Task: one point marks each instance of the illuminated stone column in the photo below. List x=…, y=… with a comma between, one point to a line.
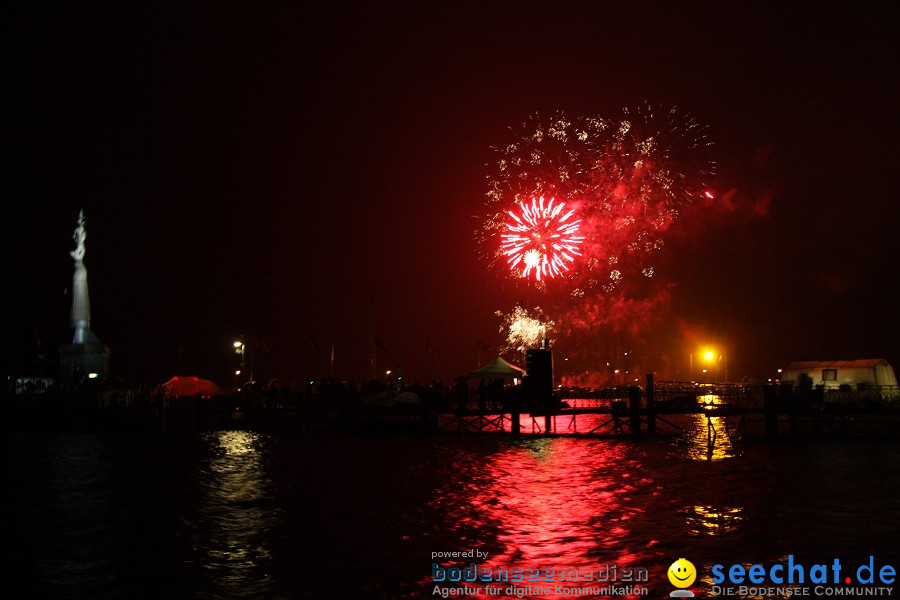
x=81, y=303
x=86, y=357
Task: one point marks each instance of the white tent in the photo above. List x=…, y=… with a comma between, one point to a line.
x=497, y=369
x=835, y=373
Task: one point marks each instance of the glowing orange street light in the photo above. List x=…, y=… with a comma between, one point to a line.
x=717, y=359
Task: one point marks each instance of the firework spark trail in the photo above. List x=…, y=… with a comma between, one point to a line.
x=524, y=330
x=541, y=239
x=625, y=181
x=549, y=158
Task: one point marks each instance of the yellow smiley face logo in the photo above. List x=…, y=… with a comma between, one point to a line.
x=682, y=573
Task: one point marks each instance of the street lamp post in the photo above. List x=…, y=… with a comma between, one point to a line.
x=240, y=348
x=710, y=356
x=717, y=359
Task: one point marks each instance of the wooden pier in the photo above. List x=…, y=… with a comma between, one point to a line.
x=667, y=407
x=770, y=410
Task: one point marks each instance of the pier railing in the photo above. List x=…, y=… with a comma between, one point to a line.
x=677, y=395
x=344, y=404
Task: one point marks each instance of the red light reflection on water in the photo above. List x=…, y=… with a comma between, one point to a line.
x=554, y=503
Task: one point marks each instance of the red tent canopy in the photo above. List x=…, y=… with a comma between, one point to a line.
x=181, y=385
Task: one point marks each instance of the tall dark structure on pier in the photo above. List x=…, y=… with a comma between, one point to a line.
x=86, y=357
x=538, y=381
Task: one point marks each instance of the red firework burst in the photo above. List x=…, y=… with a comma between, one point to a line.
x=541, y=239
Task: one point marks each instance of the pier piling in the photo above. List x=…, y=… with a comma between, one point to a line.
x=770, y=410
x=634, y=405
x=651, y=406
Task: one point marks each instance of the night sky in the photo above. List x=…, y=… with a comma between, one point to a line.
x=304, y=175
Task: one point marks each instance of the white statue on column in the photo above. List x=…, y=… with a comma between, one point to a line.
x=81, y=305
x=86, y=357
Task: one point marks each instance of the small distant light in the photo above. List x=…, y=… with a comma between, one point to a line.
x=93, y=375
x=709, y=195
x=238, y=344
x=238, y=372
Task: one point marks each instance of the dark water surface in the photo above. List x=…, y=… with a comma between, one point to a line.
x=238, y=514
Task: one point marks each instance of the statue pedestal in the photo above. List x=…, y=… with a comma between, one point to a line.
x=78, y=360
